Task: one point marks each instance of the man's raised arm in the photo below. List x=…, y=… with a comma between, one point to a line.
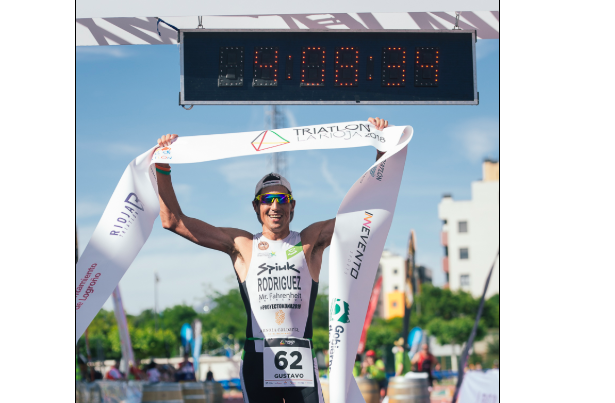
x=173, y=219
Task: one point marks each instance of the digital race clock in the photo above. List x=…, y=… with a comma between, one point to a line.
x=327, y=67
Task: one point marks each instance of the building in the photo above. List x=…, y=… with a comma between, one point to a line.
x=471, y=234
x=392, y=267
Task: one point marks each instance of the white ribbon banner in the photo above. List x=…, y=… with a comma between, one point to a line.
x=362, y=224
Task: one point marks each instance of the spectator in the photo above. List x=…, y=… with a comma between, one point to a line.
x=210, y=375
x=153, y=375
x=114, y=373
x=135, y=371
x=402, y=361
x=356, y=370
x=185, y=370
x=374, y=369
x=426, y=362
x=167, y=373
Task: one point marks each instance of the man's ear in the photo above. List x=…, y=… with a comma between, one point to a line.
x=255, y=206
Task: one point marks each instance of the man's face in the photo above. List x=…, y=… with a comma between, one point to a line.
x=370, y=360
x=425, y=349
x=275, y=216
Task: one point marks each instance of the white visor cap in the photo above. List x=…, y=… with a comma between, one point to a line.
x=272, y=179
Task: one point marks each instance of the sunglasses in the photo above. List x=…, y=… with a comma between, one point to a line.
x=268, y=198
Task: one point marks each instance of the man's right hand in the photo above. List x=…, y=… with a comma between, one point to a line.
x=166, y=140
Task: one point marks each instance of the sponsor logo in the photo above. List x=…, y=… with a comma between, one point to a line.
x=289, y=342
x=339, y=311
x=276, y=296
x=355, y=258
x=262, y=245
x=265, y=267
x=127, y=216
x=163, y=153
x=280, y=330
x=294, y=251
x=335, y=132
x=334, y=342
x=380, y=172
x=279, y=317
x=372, y=171
x=279, y=283
x=88, y=282
x=268, y=139
x=267, y=255
x=280, y=306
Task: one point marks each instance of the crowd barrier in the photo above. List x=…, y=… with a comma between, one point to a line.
x=109, y=392
x=130, y=391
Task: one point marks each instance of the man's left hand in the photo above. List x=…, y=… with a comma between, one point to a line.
x=379, y=123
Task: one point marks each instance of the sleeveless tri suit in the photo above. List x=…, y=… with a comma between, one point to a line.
x=279, y=295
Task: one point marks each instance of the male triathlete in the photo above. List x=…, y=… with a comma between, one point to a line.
x=277, y=270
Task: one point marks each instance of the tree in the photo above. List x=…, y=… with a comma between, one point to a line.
x=320, y=316
x=227, y=318
x=320, y=339
x=383, y=332
x=455, y=331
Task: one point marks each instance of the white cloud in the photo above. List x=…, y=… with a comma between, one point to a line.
x=478, y=138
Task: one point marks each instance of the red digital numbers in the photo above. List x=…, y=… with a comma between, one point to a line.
x=312, y=66
x=393, y=67
x=346, y=67
x=265, y=67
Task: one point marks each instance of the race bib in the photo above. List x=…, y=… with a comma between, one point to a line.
x=287, y=363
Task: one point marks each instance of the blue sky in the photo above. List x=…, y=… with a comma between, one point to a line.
x=127, y=98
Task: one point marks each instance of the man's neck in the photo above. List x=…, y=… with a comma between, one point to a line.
x=275, y=236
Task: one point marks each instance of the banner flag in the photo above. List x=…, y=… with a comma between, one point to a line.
x=373, y=304
x=362, y=224
x=186, y=337
x=140, y=8
x=122, y=325
x=144, y=29
x=197, y=341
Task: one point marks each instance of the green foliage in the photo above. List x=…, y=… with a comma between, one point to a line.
x=443, y=304
x=447, y=315
x=320, y=316
x=491, y=312
x=147, y=342
x=456, y=330
x=320, y=339
x=228, y=319
x=383, y=332
x=493, y=348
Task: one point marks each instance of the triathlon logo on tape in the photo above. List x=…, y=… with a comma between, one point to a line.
x=378, y=171
x=268, y=139
x=355, y=258
x=128, y=216
x=335, y=132
x=163, y=153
